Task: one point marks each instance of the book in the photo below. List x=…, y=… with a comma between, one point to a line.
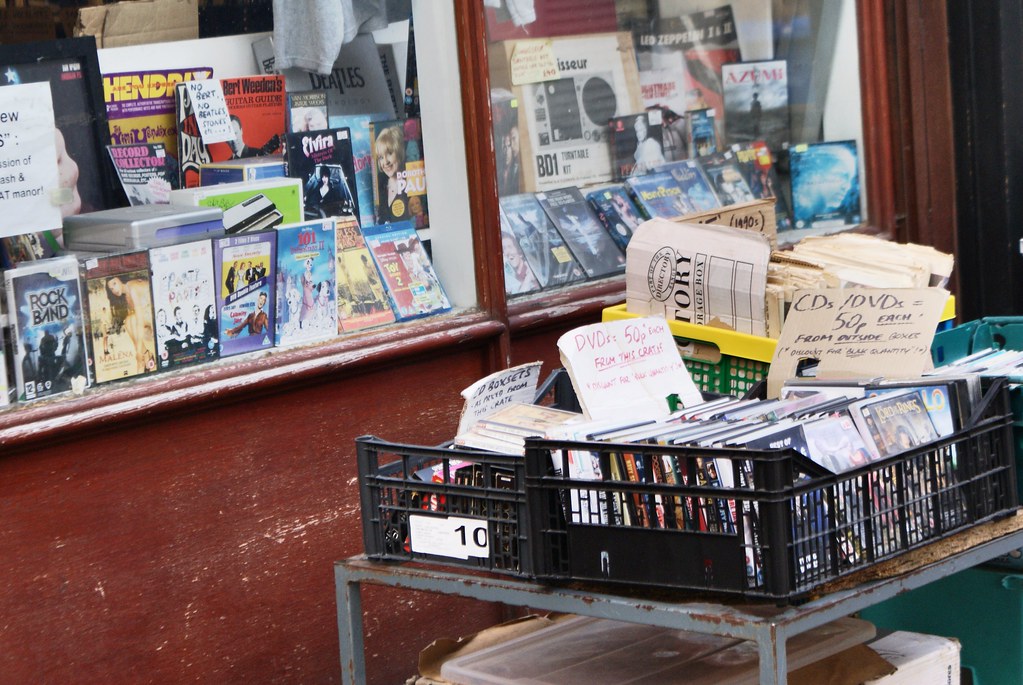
x=518, y=275
x=245, y=274
x=692, y=47
x=695, y=185
x=361, y=298
x=355, y=85
x=636, y=143
x=411, y=93
x=616, y=212
x=658, y=195
x=323, y=161
x=307, y=111
x=248, y=205
x=306, y=305
x=726, y=180
x=146, y=172
x=256, y=105
x=44, y=306
x=358, y=126
x=583, y=233
x=122, y=343
x=756, y=98
x=412, y=286
x=825, y=184
x=507, y=154
x=701, y=132
x=549, y=258
x=399, y=170
x=389, y=64
x=184, y=304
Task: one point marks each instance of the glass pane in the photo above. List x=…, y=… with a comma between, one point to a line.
x=606, y=113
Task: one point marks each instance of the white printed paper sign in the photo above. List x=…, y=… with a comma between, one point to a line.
x=517, y=384
x=210, y=107
x=627, y=368
x=449, y=536
x=29, y=176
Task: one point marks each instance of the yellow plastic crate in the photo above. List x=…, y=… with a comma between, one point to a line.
x=725, y=361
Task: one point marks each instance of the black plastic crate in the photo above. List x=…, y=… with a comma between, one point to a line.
x=795, y=528
x=479, y=491
x=487, y=494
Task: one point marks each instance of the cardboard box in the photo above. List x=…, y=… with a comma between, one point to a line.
x=139, y=22
x=918, y=658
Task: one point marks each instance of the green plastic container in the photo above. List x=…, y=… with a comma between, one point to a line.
x=981, y=607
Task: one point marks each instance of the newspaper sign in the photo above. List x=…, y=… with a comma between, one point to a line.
x=697, y=273
x=858, y=333
x=626, y=368
x=29, y=180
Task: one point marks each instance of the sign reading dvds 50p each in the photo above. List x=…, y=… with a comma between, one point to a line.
x=30, y=196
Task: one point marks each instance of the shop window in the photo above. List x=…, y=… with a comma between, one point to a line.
x=609, y=112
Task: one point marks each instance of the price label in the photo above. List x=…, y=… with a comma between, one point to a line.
x=449, y=536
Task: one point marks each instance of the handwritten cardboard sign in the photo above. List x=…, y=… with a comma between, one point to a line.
x=533, y=61
x=627, y=368
x=30, y=194
x=517, y=384
x=858, y=333
x=207, y=98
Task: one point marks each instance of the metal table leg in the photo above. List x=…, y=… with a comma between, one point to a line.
x=349, y=627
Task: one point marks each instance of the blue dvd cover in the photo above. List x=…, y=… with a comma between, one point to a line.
x=658, y=195
x=548, y=256
x=825, y=184
x=306, y=282
x=694, y=184
x=246, y=268
x=616, y=211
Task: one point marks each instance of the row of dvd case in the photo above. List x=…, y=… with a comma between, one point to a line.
x=79, y=322
x=570, y=234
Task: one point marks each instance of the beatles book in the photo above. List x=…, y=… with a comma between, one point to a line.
x=657, y=195
x=413, y=287
x=184, y=304
x=636, y=144
x=756, y=102
x=44, y=305
x=120, y=306
x=257, y=108
x=361, y=299
x=545, y=250
x=616, y=211
x=577, y=223
x=306, y=291
x=399, y=172
x=323, y=161
x=695, y=185
x=245, y=272
x=825, y=184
